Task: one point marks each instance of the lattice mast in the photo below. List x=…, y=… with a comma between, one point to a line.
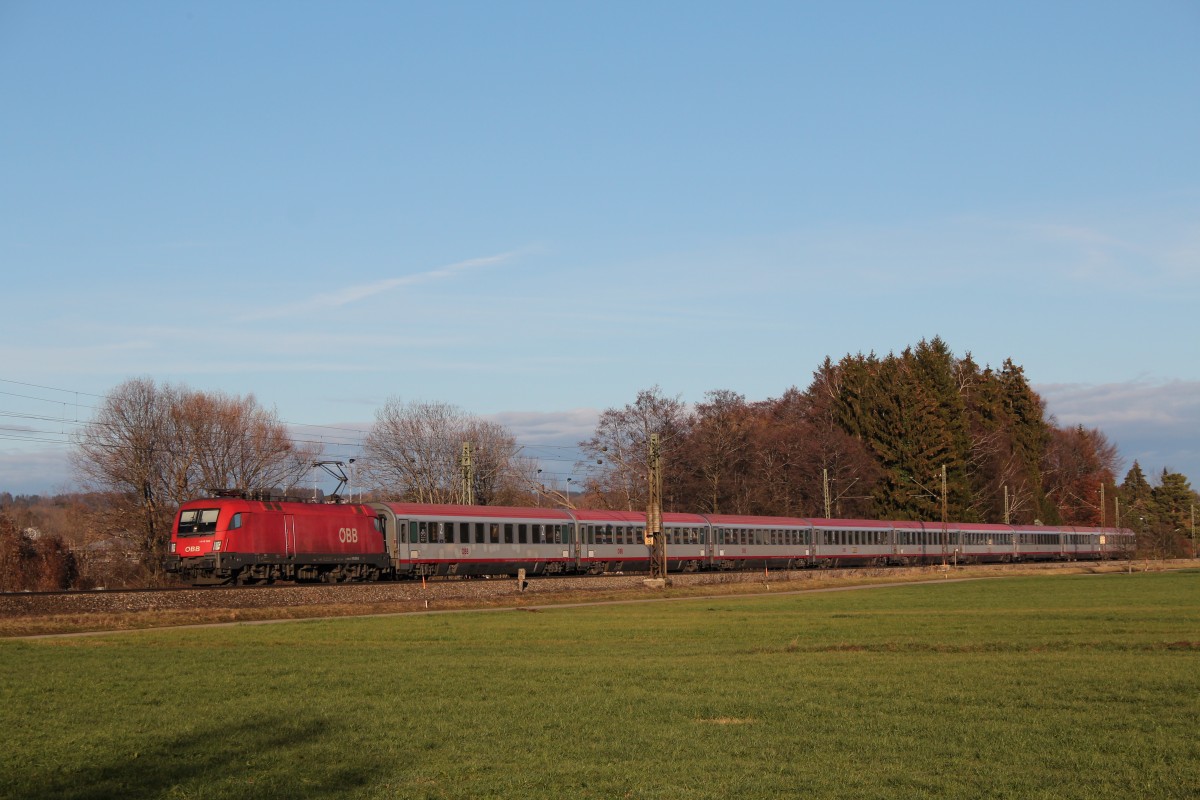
x=467, y=471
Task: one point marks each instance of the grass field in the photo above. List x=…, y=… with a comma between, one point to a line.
x=1070, y=686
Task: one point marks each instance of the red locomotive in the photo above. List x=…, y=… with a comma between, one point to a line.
x=231, y=539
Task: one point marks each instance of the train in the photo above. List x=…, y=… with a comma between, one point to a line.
x=240, y=540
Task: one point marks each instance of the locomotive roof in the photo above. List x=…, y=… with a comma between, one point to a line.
x=799, y=522
x=635, y=517
x=476, y=512
x=528, y=512
x=291, y=506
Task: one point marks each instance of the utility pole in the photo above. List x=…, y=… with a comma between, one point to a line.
x=825, y=481
x=654, y=533
x=1193, y=531
x=945, y=533
x=1117, y=511
x=1007, y=509
x=1101, y=505
x=468, y=476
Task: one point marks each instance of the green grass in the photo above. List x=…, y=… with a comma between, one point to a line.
x=1081, y=686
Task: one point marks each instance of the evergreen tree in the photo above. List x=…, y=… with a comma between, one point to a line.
x=1137, y=500
x=1173, y=499
x=1030, y=436
x=938, y=371
x=857, y=400
x=912, y=442
x=990, y=460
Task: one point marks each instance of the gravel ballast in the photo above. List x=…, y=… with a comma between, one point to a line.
x=442, y=593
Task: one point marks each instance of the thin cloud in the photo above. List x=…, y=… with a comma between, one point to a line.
x=555, y=427
x=1076, y=234
x=1154, y=423
x=1153, y=253
x=363, y=291
x=36, y=471
x=280, y=340
x=71, y=359
x=1165, y=403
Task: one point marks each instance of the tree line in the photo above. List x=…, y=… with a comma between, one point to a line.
x=909, y=436
x=872, y=437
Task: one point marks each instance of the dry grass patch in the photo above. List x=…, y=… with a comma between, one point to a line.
x=683, y=587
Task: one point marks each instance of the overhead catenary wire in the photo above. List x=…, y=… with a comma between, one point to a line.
x=288, y=423
x=349, y=444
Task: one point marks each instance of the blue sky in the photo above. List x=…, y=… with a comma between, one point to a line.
x=533, y=210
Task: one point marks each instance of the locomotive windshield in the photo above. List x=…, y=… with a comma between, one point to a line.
x=198, y=521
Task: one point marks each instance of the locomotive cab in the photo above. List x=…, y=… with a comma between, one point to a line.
x=201, y=531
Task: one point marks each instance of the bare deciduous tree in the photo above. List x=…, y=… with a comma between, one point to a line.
x=1077, y=463
x=719, y=435
x=501, y=474
x=126, y=451
x=232, y=442
x=414, y=451
x=151, y=448
x=622, y=443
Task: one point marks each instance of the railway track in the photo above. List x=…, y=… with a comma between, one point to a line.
x=283, y=595
x=401, y=595
x=258, y=587
x=146, y=590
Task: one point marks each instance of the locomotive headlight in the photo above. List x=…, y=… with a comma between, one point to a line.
x=216, y=545
x=172, y=547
